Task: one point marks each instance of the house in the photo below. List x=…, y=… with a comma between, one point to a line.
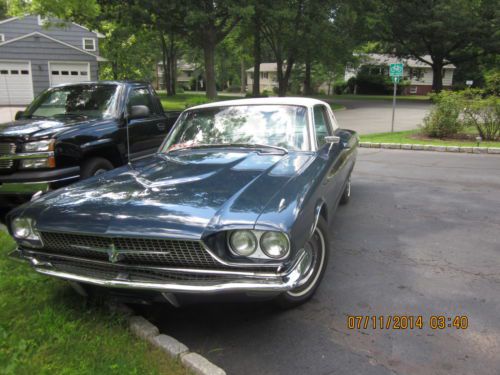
x=36, y=53
x=418, y=73
x=268, y=77
x=185, y=74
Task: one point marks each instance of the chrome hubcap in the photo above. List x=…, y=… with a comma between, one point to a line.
x=313, y=263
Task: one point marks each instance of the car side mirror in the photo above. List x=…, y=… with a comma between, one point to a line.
x=19, y=115
x=332, y=139
x=138, y=111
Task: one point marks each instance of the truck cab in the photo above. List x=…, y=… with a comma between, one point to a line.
x=75, y=131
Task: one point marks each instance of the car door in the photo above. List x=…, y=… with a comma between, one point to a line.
x=323, y=127
x=147, y=133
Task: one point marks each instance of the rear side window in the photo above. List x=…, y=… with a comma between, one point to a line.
x=321, y=124
x=141, y=96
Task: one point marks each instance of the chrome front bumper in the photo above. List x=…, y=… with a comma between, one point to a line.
x=237, y=281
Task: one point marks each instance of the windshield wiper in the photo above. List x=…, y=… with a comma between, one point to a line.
x=242, y=145
x=257, y=146
x=70, y=114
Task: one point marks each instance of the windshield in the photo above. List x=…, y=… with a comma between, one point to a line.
x=283, y=126
x=92, y=101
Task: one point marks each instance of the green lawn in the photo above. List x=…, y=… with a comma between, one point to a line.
x=45, y=328
x=376, y=97
x=189, y=99
x=411, y=136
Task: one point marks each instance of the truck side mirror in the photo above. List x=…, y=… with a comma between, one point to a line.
x=138, y=111
x=19, y=115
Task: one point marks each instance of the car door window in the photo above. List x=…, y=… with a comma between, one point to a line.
x=321, y=124
x=141, y=96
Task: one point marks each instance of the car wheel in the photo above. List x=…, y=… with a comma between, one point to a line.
x=346, y=195
x=94, y=167
x=317, y=249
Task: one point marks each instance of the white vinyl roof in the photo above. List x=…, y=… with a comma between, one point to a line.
x=305, y=102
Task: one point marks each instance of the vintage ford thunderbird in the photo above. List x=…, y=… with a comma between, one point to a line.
x=237, y=200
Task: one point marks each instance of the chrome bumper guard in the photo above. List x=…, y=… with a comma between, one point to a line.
x=247, y=282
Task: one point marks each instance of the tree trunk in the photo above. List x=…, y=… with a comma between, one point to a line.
x=256, y=57
x=243, y=77
x=437, y=76
x=283, y=78
x=307, y=79
x=209, y=43
x=166, y=66
x=172, y=64
x=114, y=68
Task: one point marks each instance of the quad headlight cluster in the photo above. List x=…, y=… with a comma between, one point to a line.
x=45, y=149
x=259, y=244
x=23, y=230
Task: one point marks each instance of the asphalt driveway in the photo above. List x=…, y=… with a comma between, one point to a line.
x=374, y=116
x=421, y=236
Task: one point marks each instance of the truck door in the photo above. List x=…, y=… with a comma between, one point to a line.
x=146, y=134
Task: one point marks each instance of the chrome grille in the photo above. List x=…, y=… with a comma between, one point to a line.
x=117, y=272
x=7, y=149
x=137, y=251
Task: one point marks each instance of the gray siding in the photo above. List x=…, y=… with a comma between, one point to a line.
x=40, y=51
x=69, y=33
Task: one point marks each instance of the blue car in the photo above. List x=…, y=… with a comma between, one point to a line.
x=236, y=201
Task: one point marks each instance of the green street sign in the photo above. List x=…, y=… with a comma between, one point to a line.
x=396, y=79
x=396, y=70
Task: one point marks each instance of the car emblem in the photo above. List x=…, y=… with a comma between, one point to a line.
x=113, y=254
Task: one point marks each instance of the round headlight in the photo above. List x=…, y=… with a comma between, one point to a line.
x=21, y=228
x=274, y=244
x=243, y=242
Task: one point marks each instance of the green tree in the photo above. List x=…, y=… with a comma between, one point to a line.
x=282, y=28
x=446, y=30
x=207, y=24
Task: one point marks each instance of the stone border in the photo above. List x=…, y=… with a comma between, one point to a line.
x=145, y=330
x=408, y=146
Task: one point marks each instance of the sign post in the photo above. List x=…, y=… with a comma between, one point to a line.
x=396, y=73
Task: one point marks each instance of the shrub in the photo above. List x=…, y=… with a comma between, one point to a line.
x=484, y=114
x=444, y=118
x=492, y=80
x=370, y=84
x=340, y=88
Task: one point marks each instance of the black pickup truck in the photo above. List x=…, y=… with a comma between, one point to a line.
x=74, y=131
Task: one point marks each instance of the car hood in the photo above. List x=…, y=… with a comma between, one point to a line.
x=34, y=128
x=188, y=195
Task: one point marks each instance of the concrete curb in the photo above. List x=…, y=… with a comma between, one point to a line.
x=415, y=147
x=175, y=349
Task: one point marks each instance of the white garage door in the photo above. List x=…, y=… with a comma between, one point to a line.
x=68, y=72
x=16, y=86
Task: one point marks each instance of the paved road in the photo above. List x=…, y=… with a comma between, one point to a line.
x=420, y=237
x=374, y=116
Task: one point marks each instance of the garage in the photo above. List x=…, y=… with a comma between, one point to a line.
x=16, y=85
x=68, y=72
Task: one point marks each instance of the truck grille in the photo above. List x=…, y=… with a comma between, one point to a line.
x=7, y=149
x=129, y=250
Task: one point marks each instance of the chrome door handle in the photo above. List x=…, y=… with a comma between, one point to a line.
x=161, y=126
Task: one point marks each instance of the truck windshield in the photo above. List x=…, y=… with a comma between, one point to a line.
x=85, y=100
x=276, y=126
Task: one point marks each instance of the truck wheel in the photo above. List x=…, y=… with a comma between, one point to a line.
x=346, y=195
x=95, y=166
x=317, y=249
